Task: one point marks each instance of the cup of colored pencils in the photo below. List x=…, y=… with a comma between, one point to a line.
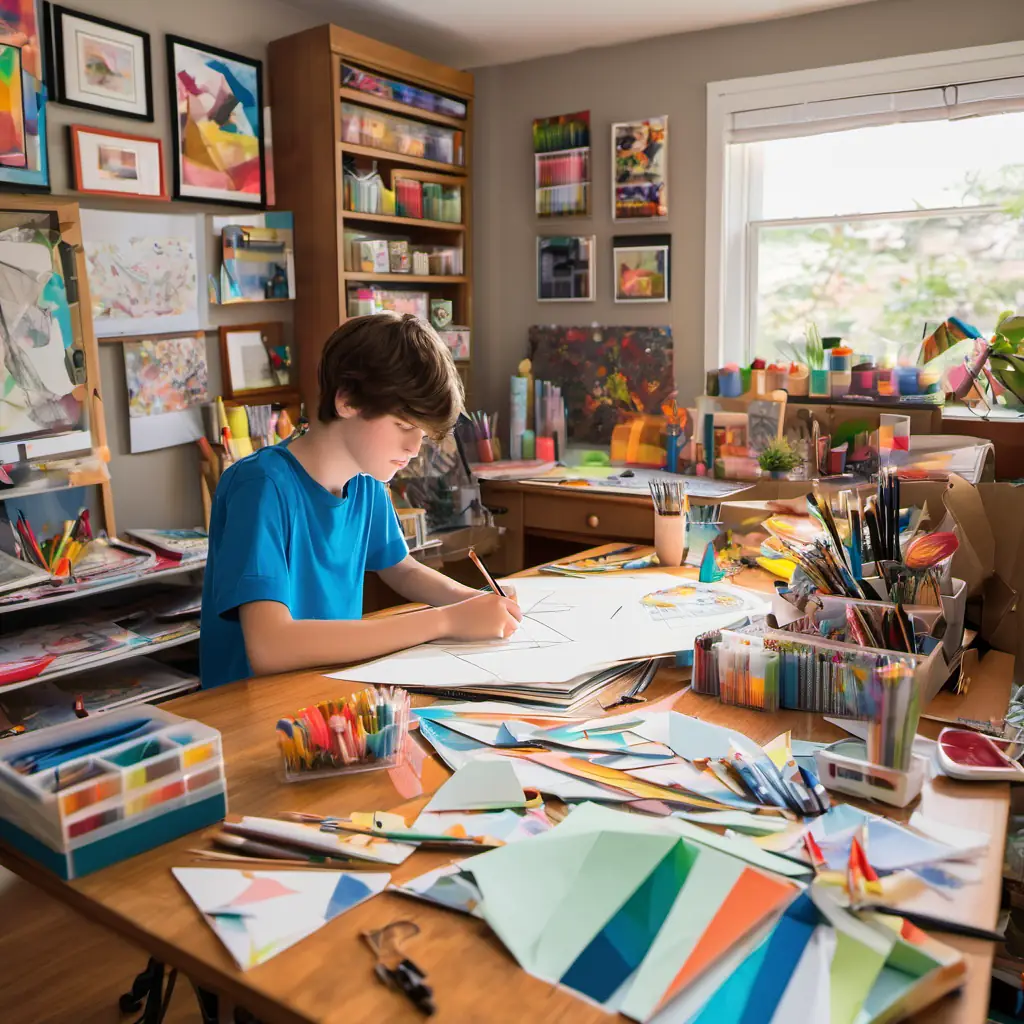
x=671, y=506
x=358, y=733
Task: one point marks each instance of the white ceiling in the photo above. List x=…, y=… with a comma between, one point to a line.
x=475, y=33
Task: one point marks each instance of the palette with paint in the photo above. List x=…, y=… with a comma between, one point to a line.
x=974, y=757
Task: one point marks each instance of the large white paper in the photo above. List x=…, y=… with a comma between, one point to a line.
x=571, y=627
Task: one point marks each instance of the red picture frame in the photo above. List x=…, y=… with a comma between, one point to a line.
x=119, y=165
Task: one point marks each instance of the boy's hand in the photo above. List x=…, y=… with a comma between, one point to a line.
x=487, y=617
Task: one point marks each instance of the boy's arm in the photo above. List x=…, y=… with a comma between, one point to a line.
x=419, y=583
x=275, y=642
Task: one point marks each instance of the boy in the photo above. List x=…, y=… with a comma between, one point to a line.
x=294, y=526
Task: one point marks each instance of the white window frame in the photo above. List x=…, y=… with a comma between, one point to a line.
x=731, y=202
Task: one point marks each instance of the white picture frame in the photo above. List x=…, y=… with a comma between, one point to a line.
x=585, y=247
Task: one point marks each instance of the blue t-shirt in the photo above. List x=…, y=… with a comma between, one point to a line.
x=278, y=535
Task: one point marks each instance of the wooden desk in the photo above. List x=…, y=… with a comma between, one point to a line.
x=327, y=978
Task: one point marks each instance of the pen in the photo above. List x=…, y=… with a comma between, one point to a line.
x=491, y=581
x=935, y=924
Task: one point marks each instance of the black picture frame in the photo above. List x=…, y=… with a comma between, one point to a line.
x=54, y=33
x=175, y=149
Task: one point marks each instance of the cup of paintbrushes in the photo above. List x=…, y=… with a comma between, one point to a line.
x=669, y=537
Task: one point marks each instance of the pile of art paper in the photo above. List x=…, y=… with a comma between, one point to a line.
x=607, y=374
x=39, y=393
x=218, y=137
x=143, y=272
x=258, y=914
x=23, y=161
x=167, y=381
x=570, y=627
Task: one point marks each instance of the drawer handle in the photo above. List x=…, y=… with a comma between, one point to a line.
x=593, y=522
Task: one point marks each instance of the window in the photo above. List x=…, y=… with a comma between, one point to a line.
x=874, y=215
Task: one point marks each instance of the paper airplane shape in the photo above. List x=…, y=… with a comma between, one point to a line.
x=710, y=570
x=480, y=786
x=257, y=914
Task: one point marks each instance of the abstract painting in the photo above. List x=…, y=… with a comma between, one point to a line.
x=38, y=392
x=23, y=162
x=640, y=162
x=607, y=374
x=217, y=124
x=165, y=375
x=641, y=267
x=167, y=381
x=101, y=65
x=143, y=272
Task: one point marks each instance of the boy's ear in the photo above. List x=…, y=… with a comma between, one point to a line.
x=342, y=407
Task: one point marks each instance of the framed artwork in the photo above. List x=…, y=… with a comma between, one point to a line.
x=254, y=361
x=565, y=268
x=641, y=267
x=640, y=169
x=112, y=163
x=100, y=65
x=23, y=164
x=217, y=141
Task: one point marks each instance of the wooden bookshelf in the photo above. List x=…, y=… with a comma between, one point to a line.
x=308, y=150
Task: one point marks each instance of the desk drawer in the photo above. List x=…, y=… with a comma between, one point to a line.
x=589, y=517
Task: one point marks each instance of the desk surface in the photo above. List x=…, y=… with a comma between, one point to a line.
x=327, y=978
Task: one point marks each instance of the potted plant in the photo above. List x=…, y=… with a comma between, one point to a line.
x=1006, y=358
x=778, y=458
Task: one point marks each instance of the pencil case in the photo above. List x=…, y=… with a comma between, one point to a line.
x=362, y=732
x=108, y=787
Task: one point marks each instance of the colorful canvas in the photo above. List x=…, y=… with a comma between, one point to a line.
x=218, y=124
x=143, y=272
x=258, y=914
x=38, y=394
x=607, y=374
x=23, y=159
x=165, y=375
x=639, y=152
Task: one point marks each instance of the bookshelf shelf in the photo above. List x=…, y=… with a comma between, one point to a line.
x=308, y=155
x=84, y=479
x=407, y=222
x=353, y=275
x=400, y=158
x=380, y=103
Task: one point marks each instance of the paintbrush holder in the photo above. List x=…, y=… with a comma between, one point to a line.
x=670, y=538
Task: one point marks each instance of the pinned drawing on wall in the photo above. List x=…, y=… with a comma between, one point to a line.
x=565, y=268
x=216, y=124
x=112, y=163
x=607, y=374
x=640, y=169
x=167, y=381
x=42, y=373
x=144, y=271
x=641, y=267
x=23, y=163
x=100, y=65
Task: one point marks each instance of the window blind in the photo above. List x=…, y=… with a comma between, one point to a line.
x=970, y=99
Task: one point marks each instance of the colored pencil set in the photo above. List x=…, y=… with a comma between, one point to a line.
x=365, y=730
x=888, y=699
x=58, y=555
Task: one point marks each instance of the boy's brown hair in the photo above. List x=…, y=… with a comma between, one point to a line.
x=390, y=364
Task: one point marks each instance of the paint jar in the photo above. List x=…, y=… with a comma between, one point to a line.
x=545, y=449
x=670, y=538
x=840, y=359
x=757, y=382
x=797, y=381
x=905, y=380
x=529, y=444
x=711, y=384
x=745, y=379
x=730, y=383
x=863, y=382
x=819, y=386
x=883, y=382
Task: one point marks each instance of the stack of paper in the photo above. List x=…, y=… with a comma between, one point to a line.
x=664, y=922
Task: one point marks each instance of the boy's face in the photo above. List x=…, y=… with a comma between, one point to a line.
x=383, y=445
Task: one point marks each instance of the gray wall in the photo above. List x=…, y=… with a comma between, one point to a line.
x=161, y=488
x=667, y=75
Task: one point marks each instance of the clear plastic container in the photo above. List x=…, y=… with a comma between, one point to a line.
x=377, y=129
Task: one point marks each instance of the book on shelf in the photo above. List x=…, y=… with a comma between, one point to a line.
x=139, y=681
x=179, y=545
